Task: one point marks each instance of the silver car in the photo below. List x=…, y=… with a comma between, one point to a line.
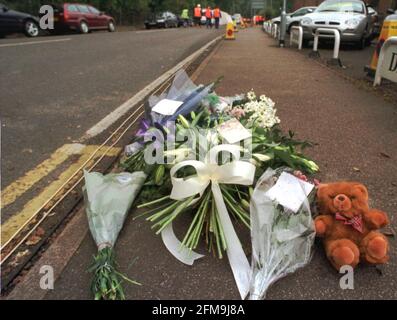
x=294, y=18
x=351, y=17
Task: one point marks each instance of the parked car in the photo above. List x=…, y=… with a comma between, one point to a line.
x=81, y=17
x=181, y=22
x=351, y=17
x=162, y=20
x=12, y=21
x=294, y=18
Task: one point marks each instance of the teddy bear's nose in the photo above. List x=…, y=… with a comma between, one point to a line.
x=342, y=203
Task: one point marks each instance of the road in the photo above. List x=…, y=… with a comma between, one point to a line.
x=53, y=89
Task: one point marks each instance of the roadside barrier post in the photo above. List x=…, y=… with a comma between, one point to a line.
x=387, y=62
x=275, y=30
x=296, y=30
x=268, y=27
x=329, y=34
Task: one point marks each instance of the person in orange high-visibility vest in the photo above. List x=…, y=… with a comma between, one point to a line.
x=208, y=15
x=217, y=16
x=197, y=15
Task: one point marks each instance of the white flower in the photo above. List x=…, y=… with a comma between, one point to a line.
x=251, y=95
x=262, y=157
x=178, y=155
x=260, y=112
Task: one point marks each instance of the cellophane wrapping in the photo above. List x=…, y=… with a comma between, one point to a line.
x=282, y=240
x=108, y=199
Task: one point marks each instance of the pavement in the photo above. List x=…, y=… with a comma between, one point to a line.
x=354, y=131
x=55, y=88
x=354, y=61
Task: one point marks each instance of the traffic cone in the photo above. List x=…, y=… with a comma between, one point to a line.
x=230, y=31
x=389, y=29
x=235, y=26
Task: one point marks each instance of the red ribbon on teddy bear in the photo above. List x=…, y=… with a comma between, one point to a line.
x=356, y=222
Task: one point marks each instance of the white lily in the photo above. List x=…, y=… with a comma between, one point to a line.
x=262, y=157
x=180, y=154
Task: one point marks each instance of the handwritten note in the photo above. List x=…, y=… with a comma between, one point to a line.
x=167, y=107
x=289, y=191
x=233, y=131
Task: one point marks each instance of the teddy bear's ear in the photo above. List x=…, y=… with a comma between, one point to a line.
x=321, y=189
x=362, y=189
x=322, y=185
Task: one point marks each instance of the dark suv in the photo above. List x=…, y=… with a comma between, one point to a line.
x=162, y=20
x=12, y=21
x=81, y=17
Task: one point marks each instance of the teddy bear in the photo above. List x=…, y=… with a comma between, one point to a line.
x=348, y=227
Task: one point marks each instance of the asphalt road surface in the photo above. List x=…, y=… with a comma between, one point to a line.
x=53, y=89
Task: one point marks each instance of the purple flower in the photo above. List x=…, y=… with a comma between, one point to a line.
x=144, y=127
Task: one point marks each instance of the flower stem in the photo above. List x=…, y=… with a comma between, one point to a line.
x=148, y=204
x=163, y=212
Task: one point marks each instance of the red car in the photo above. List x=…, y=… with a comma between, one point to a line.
x=81, y=17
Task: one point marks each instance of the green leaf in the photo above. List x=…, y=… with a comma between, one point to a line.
x=285, y=157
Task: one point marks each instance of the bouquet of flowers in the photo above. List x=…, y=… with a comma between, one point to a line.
x=108, y=199
x=269, y=148
x=282, y=229
x=191, y=171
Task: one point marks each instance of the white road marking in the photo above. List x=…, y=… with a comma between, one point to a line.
x=32, y=42
x=128, y=105
x=158, y=30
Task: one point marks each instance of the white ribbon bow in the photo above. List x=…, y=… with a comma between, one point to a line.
x=235, y=172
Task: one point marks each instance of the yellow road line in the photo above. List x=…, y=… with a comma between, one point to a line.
x=9, y=228
x=23, y=184
x=17, y=44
